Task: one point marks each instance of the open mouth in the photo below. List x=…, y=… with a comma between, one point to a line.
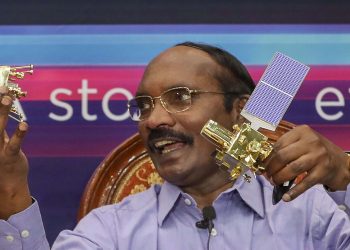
x=166, y=146
x=165, y=141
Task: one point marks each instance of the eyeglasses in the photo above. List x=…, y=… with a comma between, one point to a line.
x=173, y=100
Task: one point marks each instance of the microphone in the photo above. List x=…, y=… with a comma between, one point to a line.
x=209, y=215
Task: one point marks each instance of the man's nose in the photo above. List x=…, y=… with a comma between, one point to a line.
x=159, y=116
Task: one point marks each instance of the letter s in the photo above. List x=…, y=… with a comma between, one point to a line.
x=56, y=102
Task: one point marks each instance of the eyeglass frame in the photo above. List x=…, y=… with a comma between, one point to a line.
x=190, y=91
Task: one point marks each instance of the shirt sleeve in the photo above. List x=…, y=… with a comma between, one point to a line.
x=96, y=231
x=24, y=230
x=331, y=225
x=342, y=198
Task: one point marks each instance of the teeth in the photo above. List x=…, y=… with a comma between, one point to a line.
x=163, y=143
x=165, y=151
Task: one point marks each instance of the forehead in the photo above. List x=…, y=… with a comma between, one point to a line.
x=179, y=66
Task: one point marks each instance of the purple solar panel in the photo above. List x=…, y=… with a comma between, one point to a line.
x=275, y=91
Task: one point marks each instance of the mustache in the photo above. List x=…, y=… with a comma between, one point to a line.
x=168, y=133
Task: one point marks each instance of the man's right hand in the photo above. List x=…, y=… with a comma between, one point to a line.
x=14, y=190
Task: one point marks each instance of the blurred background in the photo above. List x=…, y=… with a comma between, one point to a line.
x=89, y=57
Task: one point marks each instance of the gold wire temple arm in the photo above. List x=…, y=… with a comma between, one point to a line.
x=8, y=77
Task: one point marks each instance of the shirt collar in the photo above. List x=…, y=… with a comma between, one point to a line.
x=168, y=196
x=251, y=193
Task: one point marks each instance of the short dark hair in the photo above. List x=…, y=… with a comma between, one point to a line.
x=234, y=78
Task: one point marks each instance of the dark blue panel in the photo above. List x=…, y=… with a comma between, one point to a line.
x=58, y=184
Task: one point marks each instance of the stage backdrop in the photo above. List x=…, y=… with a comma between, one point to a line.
x=76, y=103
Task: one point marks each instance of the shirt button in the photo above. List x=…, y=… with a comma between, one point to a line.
x=342, y=207
x=25, y=233
x=9, y=238
x=188, y=202
x=214, y=232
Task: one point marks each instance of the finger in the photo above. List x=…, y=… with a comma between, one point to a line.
x=309, y=181
x=6, y=138
x=278, y=159
x=288, y=138
x=5, y=105
x=281, y=158
x=3, y=91
x=293, y=169
x=14, y=145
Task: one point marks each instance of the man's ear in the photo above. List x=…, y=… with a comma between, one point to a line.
x=238, y=105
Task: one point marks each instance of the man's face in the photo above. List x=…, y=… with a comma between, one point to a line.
x=181, y=155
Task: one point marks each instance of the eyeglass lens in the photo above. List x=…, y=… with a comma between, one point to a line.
x=173, y=100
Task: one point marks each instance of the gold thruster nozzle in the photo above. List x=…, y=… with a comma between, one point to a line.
x=8, y=77
x=238, y=151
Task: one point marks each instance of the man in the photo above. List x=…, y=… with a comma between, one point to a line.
x=181, y=89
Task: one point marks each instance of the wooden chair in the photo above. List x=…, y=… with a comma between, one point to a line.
x=128, y=169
